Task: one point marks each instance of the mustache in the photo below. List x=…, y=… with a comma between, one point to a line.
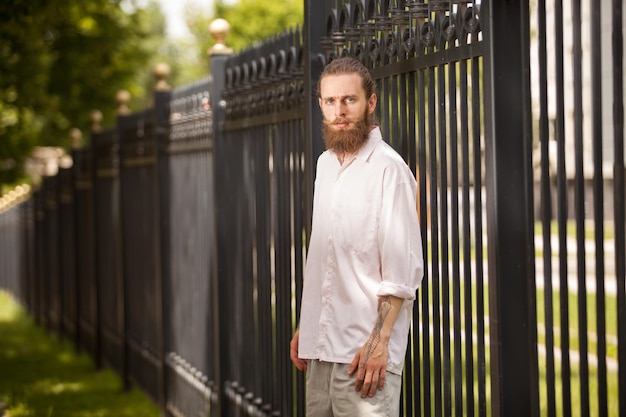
x=337, y=120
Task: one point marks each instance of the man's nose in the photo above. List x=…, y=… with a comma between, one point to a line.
x=340, y=108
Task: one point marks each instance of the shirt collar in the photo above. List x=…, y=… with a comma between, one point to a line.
x=366, y=150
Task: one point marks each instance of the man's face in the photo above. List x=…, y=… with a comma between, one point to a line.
x=345, y=109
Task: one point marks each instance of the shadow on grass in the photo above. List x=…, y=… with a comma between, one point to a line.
x=41, y=375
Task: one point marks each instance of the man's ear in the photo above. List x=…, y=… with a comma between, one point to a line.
x=319, y=101
x=372, y=104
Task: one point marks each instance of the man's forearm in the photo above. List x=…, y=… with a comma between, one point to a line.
x=388, y=311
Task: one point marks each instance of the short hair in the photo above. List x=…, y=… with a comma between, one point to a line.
x=349, y=65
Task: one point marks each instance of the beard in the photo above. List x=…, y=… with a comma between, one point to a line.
x=348, y=140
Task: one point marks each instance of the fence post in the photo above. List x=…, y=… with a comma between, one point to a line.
x=508, y=137
x=619, y=210
x=95, y=119
x=162, y=96
x=76, y=140
x=312, y=34
x=87, y=296
x=313, y=65
x=218, y=55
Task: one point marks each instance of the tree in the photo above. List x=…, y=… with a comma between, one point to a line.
x=59, y=60
x=255, y=20
x=250, y=20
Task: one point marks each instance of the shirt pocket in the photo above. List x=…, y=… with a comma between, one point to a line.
x=358, y=227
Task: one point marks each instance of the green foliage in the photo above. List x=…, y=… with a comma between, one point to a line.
x=59, y=60
x=250, y=21
x=42, y=376
x=254, y=20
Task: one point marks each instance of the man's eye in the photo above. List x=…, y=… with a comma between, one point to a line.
x=329, y=102
x=350, y=100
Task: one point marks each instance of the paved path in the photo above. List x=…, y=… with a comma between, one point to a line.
x=610, y=280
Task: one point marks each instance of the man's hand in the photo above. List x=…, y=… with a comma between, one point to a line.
x=301, y=364
x=370, y=362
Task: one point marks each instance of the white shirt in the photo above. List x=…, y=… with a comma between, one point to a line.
x=365, y=243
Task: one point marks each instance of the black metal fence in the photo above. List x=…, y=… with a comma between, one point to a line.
x=579, y=136
x=173, y=249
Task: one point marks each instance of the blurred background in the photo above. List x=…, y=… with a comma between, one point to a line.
x=60, y=60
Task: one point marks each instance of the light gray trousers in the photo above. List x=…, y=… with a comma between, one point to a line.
x=330, y=393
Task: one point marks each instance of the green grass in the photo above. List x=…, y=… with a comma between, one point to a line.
x=609, y=313
x=40, y=375
x=570, y=229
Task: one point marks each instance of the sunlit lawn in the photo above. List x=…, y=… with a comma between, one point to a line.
x=40, y=375
x=583, y=386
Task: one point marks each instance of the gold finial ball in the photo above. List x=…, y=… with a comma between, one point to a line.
x=123, y=98
x=161, y=71
x=76, y=136
x=95, y=118
x=219, y=30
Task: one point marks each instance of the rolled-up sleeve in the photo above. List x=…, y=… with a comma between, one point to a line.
x=400, y=242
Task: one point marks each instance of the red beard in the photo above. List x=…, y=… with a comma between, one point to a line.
x=348, y=140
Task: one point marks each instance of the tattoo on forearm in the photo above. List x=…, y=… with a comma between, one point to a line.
x=384, y=306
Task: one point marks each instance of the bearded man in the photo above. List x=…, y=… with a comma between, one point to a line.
x=364, y=261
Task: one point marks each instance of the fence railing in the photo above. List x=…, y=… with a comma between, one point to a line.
x=173, y=249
